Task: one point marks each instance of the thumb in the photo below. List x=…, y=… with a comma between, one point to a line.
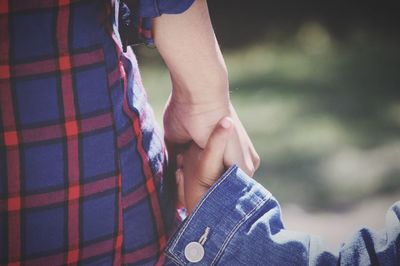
x=213, y=154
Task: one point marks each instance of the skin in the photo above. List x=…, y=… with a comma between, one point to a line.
x=199, y=169
x=200, y=87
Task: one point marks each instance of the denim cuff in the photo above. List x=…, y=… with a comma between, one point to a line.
x=226, y=206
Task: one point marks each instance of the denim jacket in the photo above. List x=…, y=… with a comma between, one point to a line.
x=245, y=228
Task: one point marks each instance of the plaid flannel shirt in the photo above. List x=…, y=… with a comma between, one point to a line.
x=81, y=161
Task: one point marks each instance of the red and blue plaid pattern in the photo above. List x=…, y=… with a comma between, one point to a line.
x=80, y=160
x=133, y=28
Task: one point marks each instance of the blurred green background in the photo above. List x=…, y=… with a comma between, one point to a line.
x=317, y=86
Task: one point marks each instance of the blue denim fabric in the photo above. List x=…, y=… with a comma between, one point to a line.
x=246, y=228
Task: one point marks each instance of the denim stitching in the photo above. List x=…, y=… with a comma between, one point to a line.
x=263, y=201
x=183, y=229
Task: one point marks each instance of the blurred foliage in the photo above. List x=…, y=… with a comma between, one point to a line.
x=317, y=87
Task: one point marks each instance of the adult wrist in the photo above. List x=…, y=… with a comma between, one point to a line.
x=200, y=102
x=201, y=88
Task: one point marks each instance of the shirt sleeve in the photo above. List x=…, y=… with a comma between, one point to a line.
x=245, y=228
x=135, y=18
x=155, y=8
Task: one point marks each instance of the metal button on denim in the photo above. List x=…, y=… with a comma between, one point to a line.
x=194, y=252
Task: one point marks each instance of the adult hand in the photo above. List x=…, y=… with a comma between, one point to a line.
x=184, y=122
x=198, y=169
x=200, y=96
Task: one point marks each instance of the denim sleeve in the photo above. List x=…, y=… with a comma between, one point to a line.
x=245, y=228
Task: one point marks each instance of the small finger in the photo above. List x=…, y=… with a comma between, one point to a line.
x=179, y=160
x=180, y=184
x=215, y=148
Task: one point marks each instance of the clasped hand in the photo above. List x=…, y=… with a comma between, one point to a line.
x=205, y=140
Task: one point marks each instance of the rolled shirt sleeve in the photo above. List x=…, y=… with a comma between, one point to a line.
x=245, y=228
x=135, y=18
x=155, y=8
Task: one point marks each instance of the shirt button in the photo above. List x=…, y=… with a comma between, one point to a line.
x=194, y=252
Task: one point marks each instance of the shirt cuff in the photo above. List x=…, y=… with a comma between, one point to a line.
x=135, y=18
x=155, y=8
x=226, y=206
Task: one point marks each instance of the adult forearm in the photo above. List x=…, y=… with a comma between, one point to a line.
x=189, y=47
x=200, y=94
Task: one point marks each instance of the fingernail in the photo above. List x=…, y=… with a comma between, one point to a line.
x=226, y=122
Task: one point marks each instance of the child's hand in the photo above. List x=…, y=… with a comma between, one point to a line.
x=198, y=169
